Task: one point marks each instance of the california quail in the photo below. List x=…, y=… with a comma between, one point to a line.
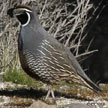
x=43, y=57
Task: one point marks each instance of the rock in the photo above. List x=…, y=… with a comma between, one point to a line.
x=6, y=85
x=78, y=105
x=40, y=104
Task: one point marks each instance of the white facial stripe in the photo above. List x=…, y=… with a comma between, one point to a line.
x=27, y=10
x=27, y=20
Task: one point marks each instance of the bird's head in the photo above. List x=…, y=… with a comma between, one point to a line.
x=22, y=12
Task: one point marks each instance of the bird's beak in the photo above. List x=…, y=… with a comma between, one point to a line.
x=14, y=12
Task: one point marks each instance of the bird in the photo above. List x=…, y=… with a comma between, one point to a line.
x=44, y=58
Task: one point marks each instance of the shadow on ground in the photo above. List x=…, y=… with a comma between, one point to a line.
x=37, y=94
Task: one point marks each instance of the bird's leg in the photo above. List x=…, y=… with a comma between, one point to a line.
x=50, y=91
x=47, y=96
x=52, y=94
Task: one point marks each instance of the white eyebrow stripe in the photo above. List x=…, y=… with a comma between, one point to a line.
x=27, y=10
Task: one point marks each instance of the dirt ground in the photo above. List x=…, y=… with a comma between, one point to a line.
x=19, y=96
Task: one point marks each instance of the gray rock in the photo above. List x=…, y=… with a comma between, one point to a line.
x=40, y=104
x=79, y=105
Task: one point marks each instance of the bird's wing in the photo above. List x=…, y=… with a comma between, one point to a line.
x=71, y=61
x=55, y=50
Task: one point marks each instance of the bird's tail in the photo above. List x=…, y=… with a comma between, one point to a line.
x=92, y=86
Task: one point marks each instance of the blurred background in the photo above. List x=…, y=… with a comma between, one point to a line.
x=81, y=25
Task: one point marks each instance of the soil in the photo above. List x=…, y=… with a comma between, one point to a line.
x=20, y=96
